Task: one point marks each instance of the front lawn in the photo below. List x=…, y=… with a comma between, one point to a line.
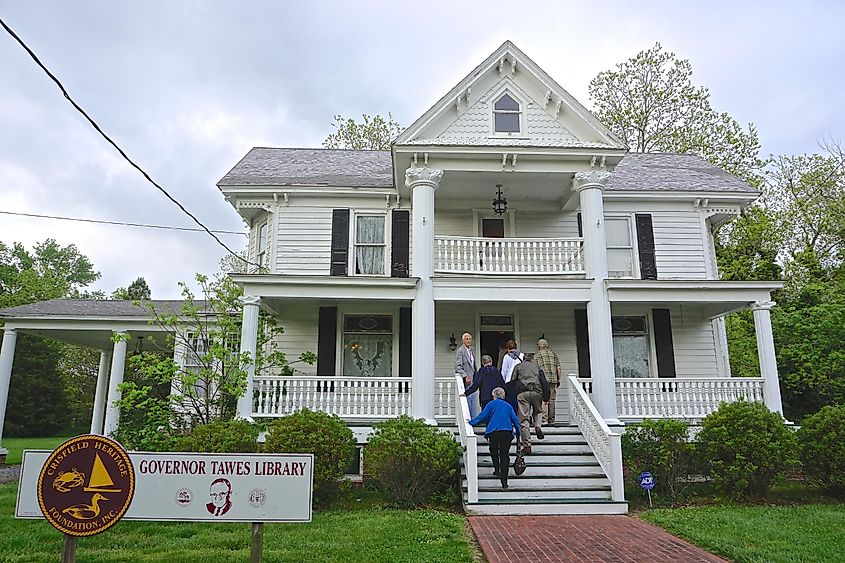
x=368, y=533
x=16, y=446
x=814, y=532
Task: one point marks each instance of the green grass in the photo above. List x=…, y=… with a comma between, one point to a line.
x=806, y=533
x=16, y=446
x=365, y=533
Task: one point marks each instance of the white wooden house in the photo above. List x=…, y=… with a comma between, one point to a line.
x=380, y=260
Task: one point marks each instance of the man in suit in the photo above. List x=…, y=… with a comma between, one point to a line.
x=465, y=366
x=221, y=497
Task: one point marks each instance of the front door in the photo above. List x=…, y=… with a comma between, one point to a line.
x=495, y=331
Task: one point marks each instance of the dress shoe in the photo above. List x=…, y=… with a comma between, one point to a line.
x=540, y=434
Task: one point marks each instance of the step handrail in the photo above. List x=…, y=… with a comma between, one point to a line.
x=605, y=444
x=469, y=440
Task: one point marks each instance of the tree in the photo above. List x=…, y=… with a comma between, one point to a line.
x=652, y=104
x=138, y=290
x=206, y=386
x=373, y=133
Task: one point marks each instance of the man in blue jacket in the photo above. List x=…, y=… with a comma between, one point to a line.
x=502, y=426
x=485, y=380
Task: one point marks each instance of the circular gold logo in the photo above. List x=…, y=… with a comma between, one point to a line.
x=86, y=485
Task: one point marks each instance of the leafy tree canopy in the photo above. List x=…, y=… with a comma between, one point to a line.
x=372, y=133
x=651, y=102
x=138, y=290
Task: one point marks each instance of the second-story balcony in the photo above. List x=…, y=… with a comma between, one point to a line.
x=508, y=256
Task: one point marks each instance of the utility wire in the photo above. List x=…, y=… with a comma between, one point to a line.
x=120, y=223
x=115, y=145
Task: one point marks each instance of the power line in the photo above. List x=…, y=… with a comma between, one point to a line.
x=120, y=223
x=115, y=145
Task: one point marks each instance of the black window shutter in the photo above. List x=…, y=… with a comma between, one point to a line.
x=340, y=242
x=399, y=240
x=663, y=342
x=405, y=341
x=580, y=227
x=582, y=342
x=327, y=341
x=645, y=243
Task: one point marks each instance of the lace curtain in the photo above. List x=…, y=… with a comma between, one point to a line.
x=630, y=356
x=369, y=244
x=367, y=355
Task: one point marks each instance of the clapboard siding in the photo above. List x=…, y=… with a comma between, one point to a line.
x=694, y=343
x=533, y=224
x=453, y=223
x=678, y=245
x=304, y=240
x=300, y=322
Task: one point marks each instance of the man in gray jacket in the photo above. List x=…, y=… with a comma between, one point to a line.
x=465, y=366
x=535, y=389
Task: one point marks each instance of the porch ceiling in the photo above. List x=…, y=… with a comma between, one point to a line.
x=93, y=333
x=716, y=297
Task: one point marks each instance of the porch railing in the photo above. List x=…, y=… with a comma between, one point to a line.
x=605, y=444
x=477, y=255
x=469, y=440
x=683, y=398
x=350, y=398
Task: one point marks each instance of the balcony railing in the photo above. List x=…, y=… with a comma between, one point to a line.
x=350, y=398
x=477, y=255
x=682, y=398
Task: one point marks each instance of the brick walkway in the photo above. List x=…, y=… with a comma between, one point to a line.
x=580, y=538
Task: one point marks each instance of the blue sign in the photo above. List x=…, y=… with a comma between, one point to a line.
x=646, y=480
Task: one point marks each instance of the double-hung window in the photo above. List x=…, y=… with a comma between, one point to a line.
x=368, y=345
x=370, y=244
x=506, y=115
x=261, y=245
x=630, y=346
x=620, y=247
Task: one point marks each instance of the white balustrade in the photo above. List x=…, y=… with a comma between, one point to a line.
x=682, y=398
x=605, y=444
x=368, y=398
x=477, y=255
x=469, y=440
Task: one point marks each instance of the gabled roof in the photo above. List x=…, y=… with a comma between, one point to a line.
x=555, y=100
x=318, y=167
x=311, y=167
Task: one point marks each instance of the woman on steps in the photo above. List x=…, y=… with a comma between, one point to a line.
x=502, y=426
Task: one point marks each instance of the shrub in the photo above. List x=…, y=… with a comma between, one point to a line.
x=661, y=447
x=221, y=436
x=325, y=436
x=822, y=441
x=744, y=446
x=412, y=461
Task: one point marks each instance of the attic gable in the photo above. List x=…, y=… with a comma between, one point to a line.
x=549, y=116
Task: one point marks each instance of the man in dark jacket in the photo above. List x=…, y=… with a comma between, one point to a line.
x=485, y=380
x=533, y=389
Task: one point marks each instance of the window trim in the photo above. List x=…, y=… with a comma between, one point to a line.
x=387, y=245
x=520, y=113
x=632, y=236
x=649, y=339
x=261, y=253
x=366, y=309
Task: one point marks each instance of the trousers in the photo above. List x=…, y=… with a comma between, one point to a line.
x=500, y=445
x=530, y=414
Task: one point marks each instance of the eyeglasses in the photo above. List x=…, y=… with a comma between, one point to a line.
x=218, y=496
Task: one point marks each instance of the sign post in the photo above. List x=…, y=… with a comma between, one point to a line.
x=256, y=552
x=647, y=483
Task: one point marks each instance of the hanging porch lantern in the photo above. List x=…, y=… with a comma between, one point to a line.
x=500, y=204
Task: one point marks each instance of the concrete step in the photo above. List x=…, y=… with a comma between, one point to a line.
x=550, y=439
x=554, y=470
x=553, y=430
x=537, y=458
x=509, y=493
x=526, y=483
x=541, y=506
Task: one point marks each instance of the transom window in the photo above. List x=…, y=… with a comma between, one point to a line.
x=620, y=247
x=368, y=345
x=506, y=115
x=370, y=245
x=630, y=346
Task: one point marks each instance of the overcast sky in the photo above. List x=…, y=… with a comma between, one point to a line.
x=187, y=88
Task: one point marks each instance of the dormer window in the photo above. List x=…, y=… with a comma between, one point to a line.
x=506, y=115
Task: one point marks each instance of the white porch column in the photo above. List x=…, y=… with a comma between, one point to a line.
x=249, y=344
x=7, y=354
x=766, y=353
x=118, y=363
x=590, y=186
x=100, y=394
x=423, y=182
